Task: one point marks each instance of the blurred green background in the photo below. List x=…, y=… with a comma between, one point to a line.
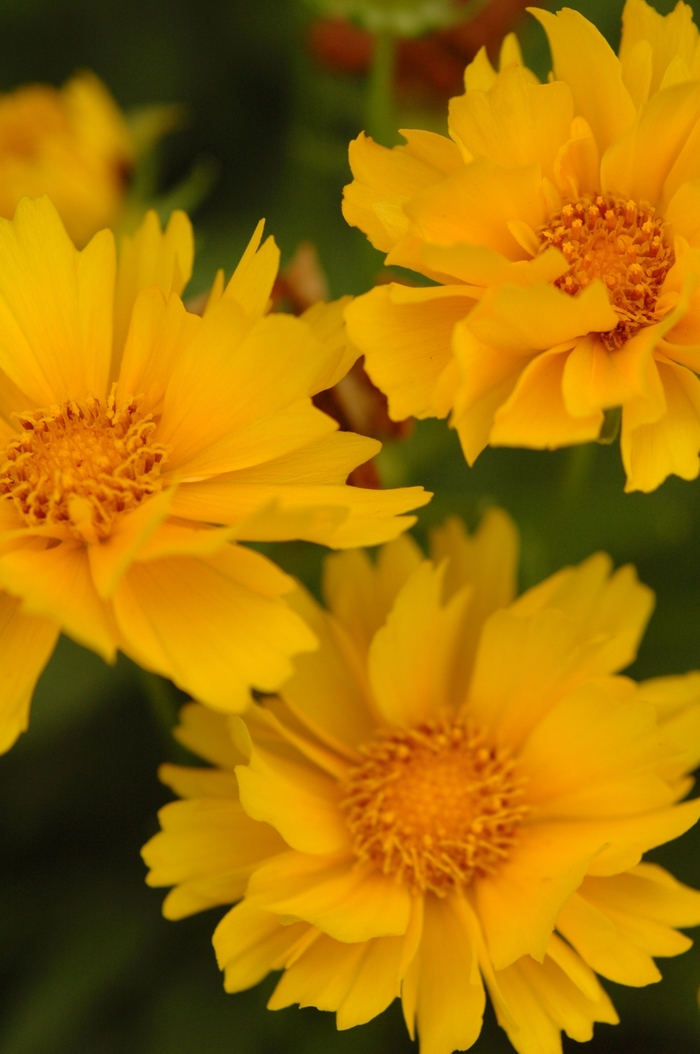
x=87, y=964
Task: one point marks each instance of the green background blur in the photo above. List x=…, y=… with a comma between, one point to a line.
x=87, y=964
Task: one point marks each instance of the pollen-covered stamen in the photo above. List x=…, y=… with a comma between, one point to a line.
x=81, y=465
x=434, y=806
x=623, y=244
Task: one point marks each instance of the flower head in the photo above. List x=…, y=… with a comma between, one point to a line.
x=560, y=221
x=141, y=442
x=72, y=144
x=454, y=792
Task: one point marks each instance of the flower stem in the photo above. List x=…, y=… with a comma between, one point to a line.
x=380, y=119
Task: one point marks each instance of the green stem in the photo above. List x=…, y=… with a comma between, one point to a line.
x=381, y=124
x=162, y=700
x=575, y=480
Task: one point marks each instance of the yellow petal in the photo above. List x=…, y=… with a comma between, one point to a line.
x=239, y=395
x=55, y=306
x=251, y=283
x=667, y=36
x=26, y=644
x=207, y=734
x=327, y=323
x=487, y=562
x=577, y=165
x=481, y=267
x=347, y=902
x=515, y=122
x=488, y=376
x=449, y=994
x=296, y=798
x=216, y=626
x=639, y=164
x=628, y=838
x=110, y=558
x=595, y=938
x=595, y=378
x=360, y=594
x=324, y=975
x=578, y=48
x=518, y=905
x=535, y=414
x=249, y=941
x=208, y=848
x=474, y=207
x=677, y=703
x=190, y=782
x=669, y=445
x=521, y=320
x=615, y=605
x=385, y=179
x=56, y=584
x=543, y=999
x=594, y=756
x=338, y=516
x=548, y=657
x=412, y=656
x=158, y=333
x=406, y=338
x=151, y=257
x=328, y=690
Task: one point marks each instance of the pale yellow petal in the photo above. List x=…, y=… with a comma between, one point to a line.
x=578, y=48
x=216, y=626
x=26, y=644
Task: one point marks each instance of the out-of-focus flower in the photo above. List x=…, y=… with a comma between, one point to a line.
x=432, y=64
x=131, y=426
x=71, y=143
x=560, y=220
x=454, y=791
x=401, y=18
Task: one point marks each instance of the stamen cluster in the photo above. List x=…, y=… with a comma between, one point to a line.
x=82, y=465
x=623, y=244
x=434, y=805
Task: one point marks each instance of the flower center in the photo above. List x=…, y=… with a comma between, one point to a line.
x=621, y=243
x=81, y=465
x=435, y=805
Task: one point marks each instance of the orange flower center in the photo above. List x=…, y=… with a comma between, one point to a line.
x=434, y=805
x=81, y=466
x=621, y=243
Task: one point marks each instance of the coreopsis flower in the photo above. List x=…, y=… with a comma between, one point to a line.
x=142, y=442
x=453, y=793
x=71, y=143
x=560, y=223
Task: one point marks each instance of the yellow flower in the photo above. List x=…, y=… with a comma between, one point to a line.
x=562, y=223
x=72, y=144
x=129, y=427
x=455, y=790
